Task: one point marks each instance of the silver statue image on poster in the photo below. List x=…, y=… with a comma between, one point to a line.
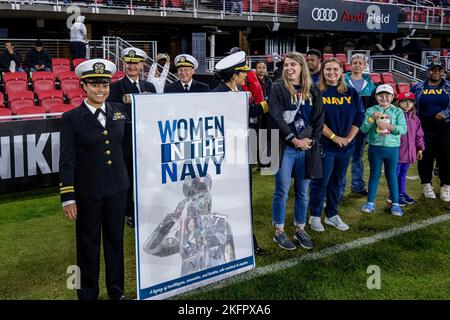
x=203, y=238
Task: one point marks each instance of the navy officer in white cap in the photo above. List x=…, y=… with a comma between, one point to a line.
x=186, y=66
x=94, y=179
x=134, y=63
x=232, y=71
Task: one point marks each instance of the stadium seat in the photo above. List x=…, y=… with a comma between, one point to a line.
x=375, y=77
x=68, y=81
x=31, y=110
x=76, y=96
x=60, y=65
x=77, y=61
x=117, y=76
x=50, y=98
x=266, y=5
x=326, y=56
x=347, y=67
x=20, y=99
x=293, y=6
x=176, y=3
x=387, y=77
x=2, y=100
x=17, y=81
x=5, y=112
x=61, y=108
x=402, y=87
x=342, y=57
x=42, y=81
x=283, y=6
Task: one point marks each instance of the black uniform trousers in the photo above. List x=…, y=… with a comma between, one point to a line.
x=437, y=147
x=100, y=218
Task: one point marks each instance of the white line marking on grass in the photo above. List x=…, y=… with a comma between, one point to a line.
x=412, y=177
x=259, y=272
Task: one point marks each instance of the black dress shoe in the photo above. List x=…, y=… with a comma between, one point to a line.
x=130, y=222
x=259, y=251
x=122, y=297
x=362, y=193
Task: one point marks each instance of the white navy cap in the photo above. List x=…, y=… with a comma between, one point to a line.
x=235, y=61
x=133, y=55
x=185, y=60
x=96, y=70
x=384, y=88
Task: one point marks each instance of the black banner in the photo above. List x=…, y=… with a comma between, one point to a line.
x=29, y=154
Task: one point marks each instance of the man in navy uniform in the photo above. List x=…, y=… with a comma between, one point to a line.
x=94, y=180
x=186, y=66
x=134, y=63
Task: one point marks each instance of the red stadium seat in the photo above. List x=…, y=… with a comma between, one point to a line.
x=47, y=99
x=402, y=87
x=20, y=99
x=17, y=81
x=347, y=67
x=60, y=65
x=342, y=57
x=326, y=56
x=76, y=96
x=387, y=77
x=375, y=77
x=42, y=81
x=176, y=3
x=2, y=100
x=61, y=108
x=266, y=5
x=5, y=112
x=293, y=6
x=69, y=81
x=31, y=110
x=283, y=6
x=77, y=61
x=117, y=76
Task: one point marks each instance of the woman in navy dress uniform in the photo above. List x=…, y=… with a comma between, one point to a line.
x=94, y=180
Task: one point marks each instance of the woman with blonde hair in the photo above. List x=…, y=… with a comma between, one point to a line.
x=343, y=116
x=296, y=106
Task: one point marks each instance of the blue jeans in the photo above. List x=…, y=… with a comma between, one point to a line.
x=378, y=156
x=292, y=158
x=335, y=165
x=357, y=169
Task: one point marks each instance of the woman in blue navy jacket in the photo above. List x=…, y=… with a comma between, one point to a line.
x=343, y=116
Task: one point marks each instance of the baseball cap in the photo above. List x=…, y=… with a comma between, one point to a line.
x=384, y=88
x=435, y=64
x=406, y=96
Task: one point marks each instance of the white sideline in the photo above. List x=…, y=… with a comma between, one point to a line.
x=258, y=272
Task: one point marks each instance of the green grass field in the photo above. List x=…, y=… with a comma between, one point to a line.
x=37, y=244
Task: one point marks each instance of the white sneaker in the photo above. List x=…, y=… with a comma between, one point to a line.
x=445, y=193
x=316, y=225
x=337, y=222
x=428, y=191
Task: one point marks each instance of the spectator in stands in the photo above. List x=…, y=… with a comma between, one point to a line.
x=134, y=62
x=94, y=180
x=10, y=59
x=313, y=57
x=296, y=106
x=344, y=115
x=38, y=58
x=362, y=83
x=237, y=7
x=158, y=74
x=186, y=66
x=433, y=105
x=78, y=39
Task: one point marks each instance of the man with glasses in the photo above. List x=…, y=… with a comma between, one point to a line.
x=186, y=66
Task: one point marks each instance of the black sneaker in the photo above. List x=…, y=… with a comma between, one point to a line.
x=436, y=172
x=283, y=241
x=303, y=239
x=362, y=193
x=260, y=251
x=129, y=222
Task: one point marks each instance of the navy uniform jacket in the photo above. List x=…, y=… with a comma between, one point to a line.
x=177, y=87
x=91, y=162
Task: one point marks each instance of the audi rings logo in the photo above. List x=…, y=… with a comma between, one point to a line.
x=324, y=14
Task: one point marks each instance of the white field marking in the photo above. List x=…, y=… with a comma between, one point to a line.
x=290, y=263
x=412, y=177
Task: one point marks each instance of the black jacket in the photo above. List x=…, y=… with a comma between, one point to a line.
x=6, y=58
x=91, y=162
x=177, y=87
x=35, y=57
x=280, y=101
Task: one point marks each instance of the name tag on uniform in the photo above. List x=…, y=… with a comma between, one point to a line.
x=118, y=116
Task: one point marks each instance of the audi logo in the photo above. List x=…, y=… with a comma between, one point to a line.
x=324, y=14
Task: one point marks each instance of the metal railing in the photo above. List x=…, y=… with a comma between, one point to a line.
x=38, y=116
x=390, y=63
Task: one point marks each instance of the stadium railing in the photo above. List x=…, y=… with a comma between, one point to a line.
x=391, y=63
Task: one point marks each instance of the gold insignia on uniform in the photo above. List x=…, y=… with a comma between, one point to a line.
x=99, y=67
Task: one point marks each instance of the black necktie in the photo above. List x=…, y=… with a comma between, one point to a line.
x=136, y=88
x=186, y=88
x=98, y=111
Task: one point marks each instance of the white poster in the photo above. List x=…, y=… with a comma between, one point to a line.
x=192, y=191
